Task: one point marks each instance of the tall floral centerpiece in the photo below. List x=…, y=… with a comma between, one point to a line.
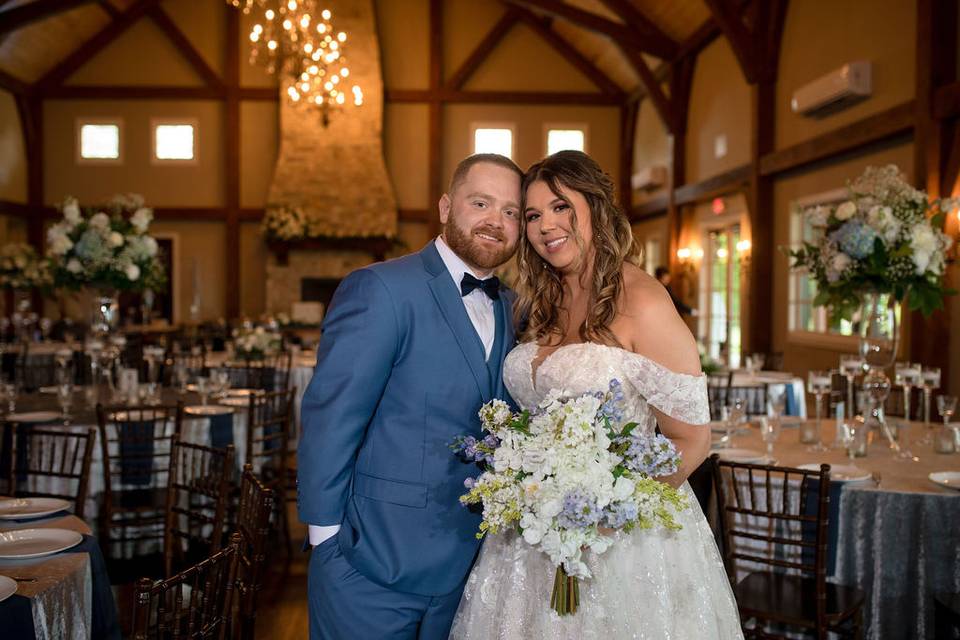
x=106, y=249
x=22, y=269
x=882, y=245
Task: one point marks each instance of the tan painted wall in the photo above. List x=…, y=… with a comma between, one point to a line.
x=259, y=133
x=205, y=244
x=719, y=105
x=404, y=42
x=406, y=154
x=13, y=159
x=653, y=147
x=198, y=185
x=253, y=260
x=801, y=357
x=819, y=37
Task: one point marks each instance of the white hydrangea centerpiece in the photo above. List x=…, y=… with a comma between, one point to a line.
x=22, y=268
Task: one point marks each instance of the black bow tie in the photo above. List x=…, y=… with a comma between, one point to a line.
x=490, y=286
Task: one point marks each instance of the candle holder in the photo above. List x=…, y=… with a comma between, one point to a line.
x=818, y=383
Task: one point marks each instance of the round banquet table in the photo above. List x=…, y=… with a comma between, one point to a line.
x=64, y=595
x=895, y=536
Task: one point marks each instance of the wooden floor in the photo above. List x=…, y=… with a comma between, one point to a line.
x=282, y=614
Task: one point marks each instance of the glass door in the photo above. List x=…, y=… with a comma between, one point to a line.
x=721, y=294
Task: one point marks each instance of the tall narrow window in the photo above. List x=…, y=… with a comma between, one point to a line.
x=493, y=139
x=99, y=141
x=174, y=141
x=721, y=294
x=563, y=137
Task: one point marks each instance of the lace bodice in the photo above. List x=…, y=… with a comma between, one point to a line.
x=580, y=368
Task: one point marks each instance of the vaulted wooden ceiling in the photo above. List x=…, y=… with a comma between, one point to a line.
x=614, y=35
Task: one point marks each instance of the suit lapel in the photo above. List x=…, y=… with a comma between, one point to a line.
x=451, y=306
x=509, y=337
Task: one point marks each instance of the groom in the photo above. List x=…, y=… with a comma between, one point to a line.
x=411, y=349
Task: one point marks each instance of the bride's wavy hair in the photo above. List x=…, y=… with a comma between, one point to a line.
x=539, y=286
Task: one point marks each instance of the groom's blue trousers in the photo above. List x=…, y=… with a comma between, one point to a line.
x=345, y=605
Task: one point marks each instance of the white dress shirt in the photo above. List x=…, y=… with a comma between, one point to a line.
x=480, y=310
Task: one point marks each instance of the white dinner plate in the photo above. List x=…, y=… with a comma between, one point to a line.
x=34, y=416
x=8, y=587
x=749, y=456
x=840, y=472
x=17, y=508
x=243, y=393
x=34, y=543
x=207, y=410
x=235, y=402
x=53, y=389
x=948, y=479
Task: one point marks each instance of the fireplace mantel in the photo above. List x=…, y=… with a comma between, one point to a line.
x=377, y=248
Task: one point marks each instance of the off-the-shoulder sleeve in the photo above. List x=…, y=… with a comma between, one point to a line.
x=681, y=396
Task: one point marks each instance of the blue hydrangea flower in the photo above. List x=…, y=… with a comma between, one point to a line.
x=579, y=511
x=613, y=407
x=855, y=238
x=654, y=456
x=617, y=515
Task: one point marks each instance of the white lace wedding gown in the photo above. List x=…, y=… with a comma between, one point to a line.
x=649, y=585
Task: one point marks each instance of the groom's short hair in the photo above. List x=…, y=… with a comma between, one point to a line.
x=463, y=168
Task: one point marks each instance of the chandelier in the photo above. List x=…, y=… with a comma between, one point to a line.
x=294, y=40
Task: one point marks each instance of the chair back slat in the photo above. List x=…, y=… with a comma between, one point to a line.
x=253, y=523
x=51, y=463
x=268, y=428
x=197, y=497
x=159, y=611
x=268, y=373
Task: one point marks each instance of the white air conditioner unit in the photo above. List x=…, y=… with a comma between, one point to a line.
x=850, y=83
x=649, y=178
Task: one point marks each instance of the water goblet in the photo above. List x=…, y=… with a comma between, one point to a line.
x=65, y=398
x=769, y=433
x=930, y=381
x=818, y=383
x=203, y=388
x=182, y=375
x=851, y=367
x=907, y=375
x=947, y=406
x=223, y=380
x=846, y=436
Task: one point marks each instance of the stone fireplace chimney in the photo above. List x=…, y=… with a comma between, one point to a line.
x=335, y=174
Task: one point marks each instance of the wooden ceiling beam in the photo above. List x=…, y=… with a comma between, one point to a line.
x=185, y=47
x=740, y=38
x=635, y=19
x=109, y=9
x=541, y=26
x=14, y=85
x=483, y=50
x=21, y=16
x=95, y=45
x=660, y=101
x=500, y=97
x=619, y=33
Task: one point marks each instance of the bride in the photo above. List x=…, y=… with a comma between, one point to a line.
x=593, y=315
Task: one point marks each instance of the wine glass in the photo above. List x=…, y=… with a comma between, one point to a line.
x=818, y=383
x=769, y=433
x=223, y=380
x=847, y=435
x=203, y=388
x=930, y=381
x=182, y=375
x=65, y=397
x=851, y=367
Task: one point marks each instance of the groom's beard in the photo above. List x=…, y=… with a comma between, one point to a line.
x=470, y=250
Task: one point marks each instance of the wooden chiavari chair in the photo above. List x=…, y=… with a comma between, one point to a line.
x=196, y=603
x=46, y=460
x=268, y=428
x=253, y=524
x=270, y=373
x=754, y=398
x=136, y=444
x=781, y=541
x=718, y=392
x=197, y=497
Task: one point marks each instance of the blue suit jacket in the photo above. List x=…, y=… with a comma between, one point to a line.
x=400, y=373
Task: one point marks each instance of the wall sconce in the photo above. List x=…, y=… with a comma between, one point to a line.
x=743, y=251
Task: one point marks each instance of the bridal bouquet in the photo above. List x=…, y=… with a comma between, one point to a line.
x=886, y=238
x=107, y=248
x=564, y=472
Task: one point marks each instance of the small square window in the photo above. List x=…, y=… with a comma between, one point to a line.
x=493, y=139
x=99, y=141
x=174, y=141
x=561, y=137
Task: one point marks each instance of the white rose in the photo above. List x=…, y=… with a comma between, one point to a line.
x=132, y=271
x=100, y=221
x=115, y=239
x=71, y=211
x=150, y=245
x=845, y=211
x=74, y=266
x=840, y=262
x=141, y=219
